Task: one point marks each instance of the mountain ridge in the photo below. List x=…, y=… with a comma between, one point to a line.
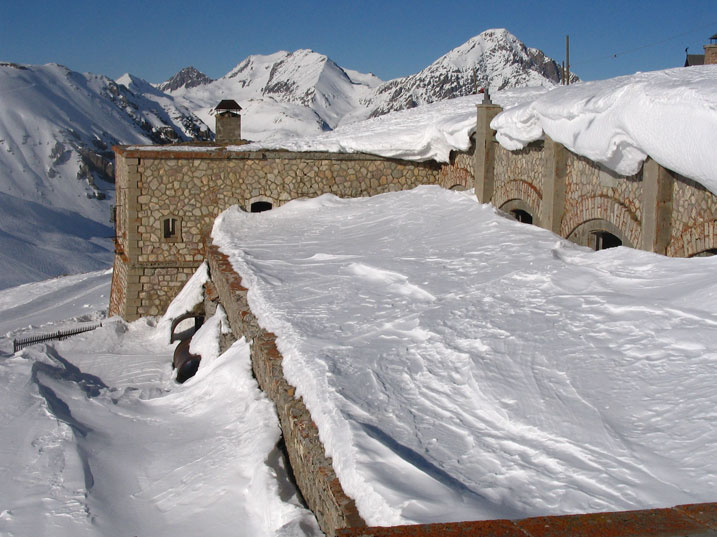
x=494, y=59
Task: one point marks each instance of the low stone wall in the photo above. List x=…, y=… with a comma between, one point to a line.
x=681, y=521
x=312, y=469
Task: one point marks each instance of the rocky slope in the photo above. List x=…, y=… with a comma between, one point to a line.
x=494, y=60
x=188, y=78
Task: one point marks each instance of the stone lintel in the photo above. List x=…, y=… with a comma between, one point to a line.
x=164, y=264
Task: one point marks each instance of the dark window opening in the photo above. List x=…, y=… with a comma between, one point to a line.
x=706, y=253
x=170, y=228
x=522, y=216
x=604, y=240
x=260, y=206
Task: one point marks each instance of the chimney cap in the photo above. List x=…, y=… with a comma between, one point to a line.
x=227, y=105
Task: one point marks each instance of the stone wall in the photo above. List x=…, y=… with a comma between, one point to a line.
x=167, y=201
x=593, y=192
x=655, y=209
x=312, y=469
x=519, y=176
x=694, y=222
x=459, y=172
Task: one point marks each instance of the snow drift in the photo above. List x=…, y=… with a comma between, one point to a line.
x=460, y=365
x=669, y=115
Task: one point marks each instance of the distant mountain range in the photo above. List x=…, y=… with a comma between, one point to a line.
x=304, y=92
x=57, y=129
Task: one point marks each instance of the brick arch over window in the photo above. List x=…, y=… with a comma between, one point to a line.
x=587, y=232
x=454, y=177
x=599, y=208
x=511, y=206
x=694, y=240
x=517, y=189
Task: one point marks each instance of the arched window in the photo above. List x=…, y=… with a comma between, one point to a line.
x=599, y=234
x=521, y=211
x=260, y=206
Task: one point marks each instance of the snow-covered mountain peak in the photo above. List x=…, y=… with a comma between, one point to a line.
x=138, y=85
x=494, y=59
x=187, y=78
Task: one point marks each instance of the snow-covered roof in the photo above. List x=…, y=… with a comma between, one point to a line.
x=669, y=115
x=460, y=365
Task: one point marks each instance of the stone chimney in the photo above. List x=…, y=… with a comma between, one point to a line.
x=711, y=51
x=228, y=122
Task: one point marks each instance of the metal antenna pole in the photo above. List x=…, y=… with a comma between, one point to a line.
x=567, y=59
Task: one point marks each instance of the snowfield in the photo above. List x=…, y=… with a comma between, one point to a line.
x=97, y=439
x=461, y=365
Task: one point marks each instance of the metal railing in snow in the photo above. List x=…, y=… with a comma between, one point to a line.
x=18, y=344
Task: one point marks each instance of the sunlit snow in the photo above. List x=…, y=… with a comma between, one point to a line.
x=96, y=438
x=461, y=365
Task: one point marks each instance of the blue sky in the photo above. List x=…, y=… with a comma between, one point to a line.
x=155, y=38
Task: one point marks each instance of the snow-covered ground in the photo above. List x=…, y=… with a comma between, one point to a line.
x=461, y=365
x=97, y=439
x=427, y=132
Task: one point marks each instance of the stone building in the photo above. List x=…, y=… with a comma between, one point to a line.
x=545, y=184
x=169, y=196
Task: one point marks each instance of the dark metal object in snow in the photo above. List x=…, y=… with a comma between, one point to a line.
x=186, y=334
x=18, y=344
x=185, y=362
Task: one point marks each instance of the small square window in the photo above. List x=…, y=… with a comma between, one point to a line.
x=171, y=229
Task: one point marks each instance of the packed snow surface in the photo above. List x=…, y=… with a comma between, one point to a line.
x=96, y=439
x=461, y=365
x=670, y=115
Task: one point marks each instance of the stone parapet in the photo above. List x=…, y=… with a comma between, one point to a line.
x=681, y=521
x=312, y=469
